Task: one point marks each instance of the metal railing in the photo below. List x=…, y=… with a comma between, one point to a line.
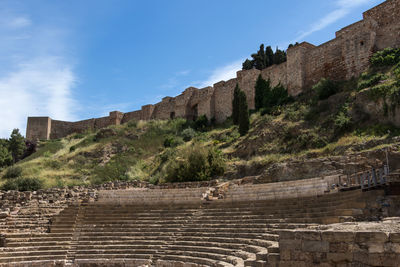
x=375, y=177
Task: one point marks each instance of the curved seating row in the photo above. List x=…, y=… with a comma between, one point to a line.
x=216, y=233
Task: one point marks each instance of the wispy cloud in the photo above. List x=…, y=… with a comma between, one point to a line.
x=36, y=78
x=19, y=22
x=222, y=73
x=343, y=8
x=41, y=87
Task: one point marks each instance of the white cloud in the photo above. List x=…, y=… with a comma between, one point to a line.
x=38, y=88
x=223, y=73
x=36, y=76
x=343, y=7
x=19, y=22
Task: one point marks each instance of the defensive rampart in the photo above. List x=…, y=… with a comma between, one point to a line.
x=344, y=57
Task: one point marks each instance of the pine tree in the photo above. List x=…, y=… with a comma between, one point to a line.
x=5, y=156
x=235, y=105
x=248, y=64
x=16, y=145
x=244, y=121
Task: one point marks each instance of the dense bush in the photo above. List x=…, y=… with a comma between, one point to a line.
x=13, y=172
x=386, y=57
x=23, y=184
x=5, y=156
x=188, y=134
x=172, y=141
x=201, y=123
x=343, y=120
x=325, y=88
x=194, y=164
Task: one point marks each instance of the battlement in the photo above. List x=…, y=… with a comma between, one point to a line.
x=341, y=58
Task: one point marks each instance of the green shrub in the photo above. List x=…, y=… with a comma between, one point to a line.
x=371, y=81
x=325, y=88
x=72, y=148
x=188, y=134
x=173, y=141
x=201, y=123
x=23, y=184
x=342, y=120
x=386, y=57
x=195, y=164
x=13, y=172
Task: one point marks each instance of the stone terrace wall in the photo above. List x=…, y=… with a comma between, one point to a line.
x=344, y=57
x=340, y=247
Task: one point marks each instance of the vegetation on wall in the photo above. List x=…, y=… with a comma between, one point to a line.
x=264, y=58
x=323, y=121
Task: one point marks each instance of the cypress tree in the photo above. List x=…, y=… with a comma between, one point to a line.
x=244, y=120
x=235, y=105
x=16, y=145
x=262, y=91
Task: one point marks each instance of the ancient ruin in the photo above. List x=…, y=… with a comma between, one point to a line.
x=335, y=219
x=344, y=57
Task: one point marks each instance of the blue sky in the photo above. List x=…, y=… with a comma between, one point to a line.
x=79, y=59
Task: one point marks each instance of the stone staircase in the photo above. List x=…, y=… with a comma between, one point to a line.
x=123, y=228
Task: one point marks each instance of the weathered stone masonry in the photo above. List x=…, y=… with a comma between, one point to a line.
x=344, y=57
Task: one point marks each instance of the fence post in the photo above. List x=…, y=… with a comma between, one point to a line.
x=369, y=179
x=374, y=177
x=362, y=177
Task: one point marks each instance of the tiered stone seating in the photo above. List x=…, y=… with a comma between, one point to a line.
x=123, y=228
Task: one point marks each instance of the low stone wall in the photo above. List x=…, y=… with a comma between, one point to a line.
x=355, y=244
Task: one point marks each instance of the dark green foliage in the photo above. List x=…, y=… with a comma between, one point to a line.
x=262, y=91
x=23, y=184
x=278, y=96
x=188, y=134
x=5, y=155
x=264, y=58
x=72, y=148
x=16, y=145
x=293, y=45
x=343, y=120
x=201, y=123
x=378, y=130
x=244, y=120
x=247, y=64
x=386, y=57
x=235, y=105
x=195, y=164
x=370, y=80
x=325, y=88
x=48, y=147
x=13, y=172
x=172, y=141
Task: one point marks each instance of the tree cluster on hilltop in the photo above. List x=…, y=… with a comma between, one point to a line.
x=264, y=58
x=12, y=149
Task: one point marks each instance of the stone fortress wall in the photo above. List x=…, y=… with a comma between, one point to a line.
x=344, y=57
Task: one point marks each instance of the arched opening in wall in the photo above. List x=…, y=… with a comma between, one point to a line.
x=192, y=113
x=362, y=43
x=172, y=115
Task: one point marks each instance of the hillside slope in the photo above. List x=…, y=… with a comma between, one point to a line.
x=333, y=127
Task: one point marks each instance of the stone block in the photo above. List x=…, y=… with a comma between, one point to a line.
x=315, y=246
x=308, y=235
x=335, y=236
x=340, y=257
x=377, y=237
x=290, y=244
